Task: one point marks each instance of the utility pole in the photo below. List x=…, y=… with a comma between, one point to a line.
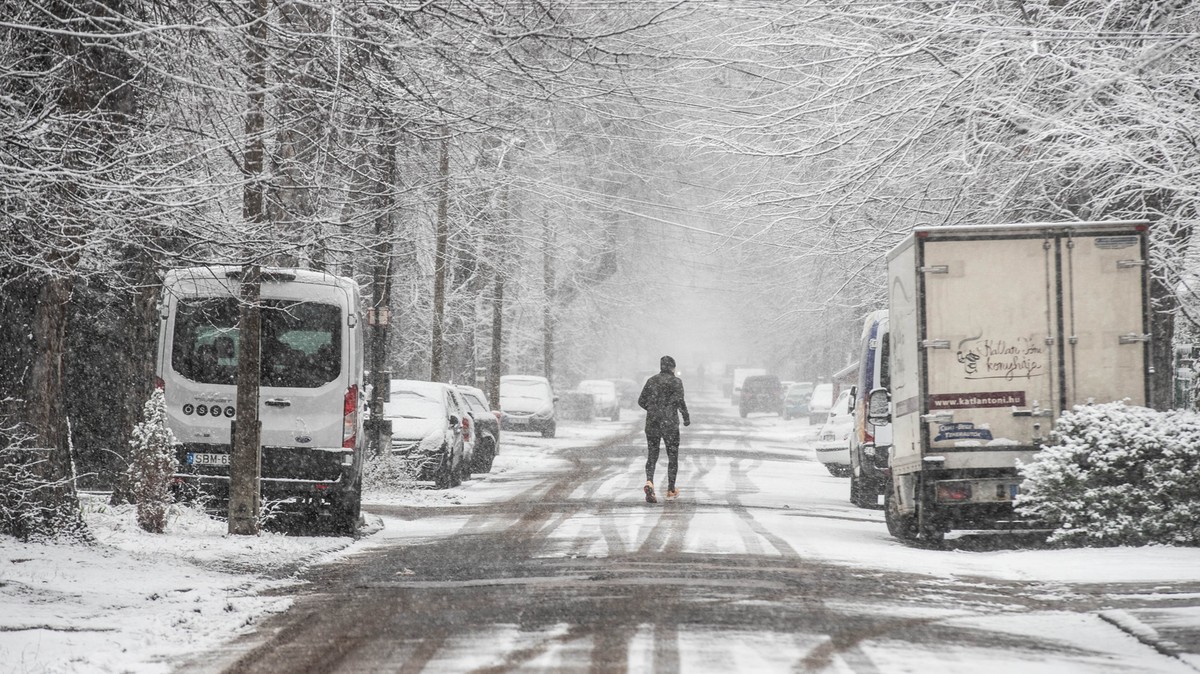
x=245, y=462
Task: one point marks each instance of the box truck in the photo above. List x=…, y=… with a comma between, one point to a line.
x=994, y=332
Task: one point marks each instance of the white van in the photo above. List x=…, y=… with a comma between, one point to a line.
x=311, y=379
x=870, y=443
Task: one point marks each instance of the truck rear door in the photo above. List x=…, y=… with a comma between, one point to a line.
x=1106, y=341
x=989, y=311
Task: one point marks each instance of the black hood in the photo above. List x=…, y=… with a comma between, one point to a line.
x=666, y=364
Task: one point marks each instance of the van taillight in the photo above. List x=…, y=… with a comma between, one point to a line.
x=350, y=418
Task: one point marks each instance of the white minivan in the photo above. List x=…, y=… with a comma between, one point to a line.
x=311, y=384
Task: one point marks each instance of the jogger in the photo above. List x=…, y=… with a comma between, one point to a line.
x=662, y=398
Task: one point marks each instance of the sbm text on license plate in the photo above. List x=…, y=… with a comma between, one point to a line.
x=197, y=459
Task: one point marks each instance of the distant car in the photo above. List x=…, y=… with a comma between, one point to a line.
x=832, y=445
x=431, y=431
x=819, y=403
x=795, y=399
x=761, y=393
x=527, y=404
x=628, y=391
x=604, y=397
x=487, y=428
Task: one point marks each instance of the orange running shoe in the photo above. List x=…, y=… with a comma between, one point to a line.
x=649, y=489
x=672, y=494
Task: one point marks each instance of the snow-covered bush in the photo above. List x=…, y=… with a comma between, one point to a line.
x=153, y=462
x=32, y=506
x=1118, y=475
x=386, y=472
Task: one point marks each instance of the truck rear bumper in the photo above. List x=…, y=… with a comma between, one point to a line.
x=286, y=472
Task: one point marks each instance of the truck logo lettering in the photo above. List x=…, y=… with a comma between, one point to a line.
x=951, y=401
x=962, y=431
x=1023, y=358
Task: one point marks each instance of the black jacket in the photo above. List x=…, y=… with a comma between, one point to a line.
x=662, y=398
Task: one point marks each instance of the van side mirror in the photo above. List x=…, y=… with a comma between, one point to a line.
x=878, y=403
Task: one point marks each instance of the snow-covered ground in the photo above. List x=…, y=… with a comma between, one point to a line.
x=138, y=602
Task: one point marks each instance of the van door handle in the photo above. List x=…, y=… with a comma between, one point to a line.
x=279, y=402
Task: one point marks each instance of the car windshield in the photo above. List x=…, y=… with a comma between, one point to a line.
x=301, y=342
x=409, y=404
x=475, y=403
x=533, y=390
x=601, y=387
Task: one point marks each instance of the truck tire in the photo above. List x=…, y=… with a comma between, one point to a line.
x=901, y=526
x=346, y=509
x=855, y=488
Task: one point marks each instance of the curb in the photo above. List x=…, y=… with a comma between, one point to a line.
x=1147, y=635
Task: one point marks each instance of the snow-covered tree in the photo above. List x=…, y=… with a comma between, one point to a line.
x=153, y=462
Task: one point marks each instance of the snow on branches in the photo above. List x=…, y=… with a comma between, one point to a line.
x=1118, y=475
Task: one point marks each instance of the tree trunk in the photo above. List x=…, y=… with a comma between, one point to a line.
x=437, y=352
x=45, y=411
x=382, y=289
x=548, y=298
x=245, y=462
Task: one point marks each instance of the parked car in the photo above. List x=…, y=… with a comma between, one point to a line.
x=311, y=386
x=761, y=393
x=527, y=404
x=819, y=403
x=628, y=391
x=795, y=399
x=487, y=428
x=431, y=431
x=870, y=442
x=832, y=445
x=604, y=397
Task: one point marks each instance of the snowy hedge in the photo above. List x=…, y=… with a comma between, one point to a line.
x=1118, y=475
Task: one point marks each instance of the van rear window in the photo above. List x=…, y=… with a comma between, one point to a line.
x=301, y=342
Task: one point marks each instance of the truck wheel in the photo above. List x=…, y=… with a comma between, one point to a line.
x=903, y=527
x=346, y=507
x=855, y=487
x=548, y=431
x=743, y=412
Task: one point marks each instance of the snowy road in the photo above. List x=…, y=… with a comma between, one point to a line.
x=554, y=563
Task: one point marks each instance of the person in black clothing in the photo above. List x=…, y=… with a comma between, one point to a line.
x=662, y=398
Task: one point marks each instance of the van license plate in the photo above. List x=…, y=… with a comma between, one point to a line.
x=208, y=459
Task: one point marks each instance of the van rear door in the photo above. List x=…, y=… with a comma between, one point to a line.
x=306, y=357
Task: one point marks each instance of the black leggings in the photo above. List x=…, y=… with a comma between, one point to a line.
x=671, y=439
